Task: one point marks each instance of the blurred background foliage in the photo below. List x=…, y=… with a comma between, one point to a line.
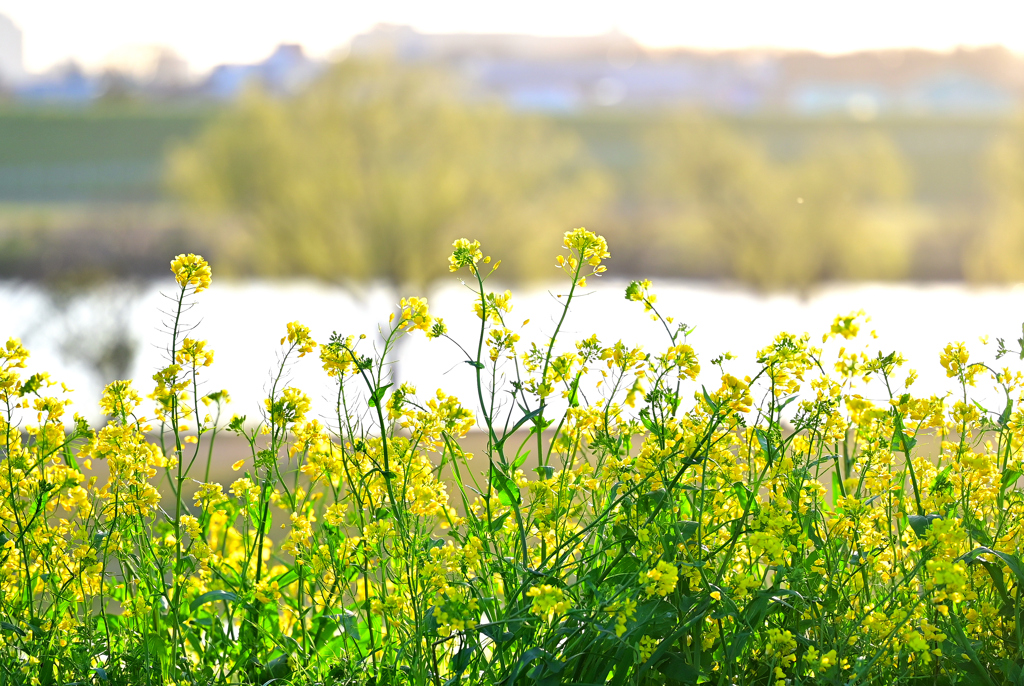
x=777, y=224
x=372, y=170
x=996, y=254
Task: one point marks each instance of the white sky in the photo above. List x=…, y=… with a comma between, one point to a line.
x=210, y=32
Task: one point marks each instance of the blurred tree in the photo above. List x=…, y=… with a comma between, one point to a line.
x=996, y=254
x=778, y=225
x=376, y=169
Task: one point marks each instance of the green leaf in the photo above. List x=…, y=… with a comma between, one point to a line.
x=378, y=394
x=461, y=659
x=1012, y=561
x=525, y=418
x=574, y=391
x=505, y=487
x=520, y=459
x=709, y=401
x=678, y=670
x=475, y=364
x=496, y=632
x=653, y=498
x=7, y=626
x=497, y=523
x=649, y=424
x=837, y=489
x=684, y=530
x=287, y=578
x=522, y=420
x=277, y=669
x=545, y=471
x=211, y=596
x=941, y=481
x=1007, y=411
x=921, y=523
x=524, y=661
x=1010, y=669
x=900, y=440
x=744, y=494
x=348, y=621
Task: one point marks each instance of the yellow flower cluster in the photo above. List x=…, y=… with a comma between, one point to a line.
x=466, y=254
x=457, y=613
x=415, y=315
x=191, y=270
x=119, y=399
x=847, y=326
x=194, y=353
x=338, y=357
x=290, y=408
x=298, y=335
x=810, y=520
x=661, y=580
x=549, y=601
x=586, y=249
x=781, y=650
x=954, y=359
x=640, y=291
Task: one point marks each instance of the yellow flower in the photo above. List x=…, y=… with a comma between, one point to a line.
x=238, y=465
x=661, y=580
x=194, y=353
x=268, y=591
x=244, y=488
x=548, y=601
x=291, y=407
x=209, y=495
x=846, y=326
x=337, y=356
x=119, y=399
x=496, y=304
x=640, y=291
x=585, y=247
x=438, y=329
x=415, y=315
x=647, y=647
x=954, y=360
x=299, y=335
x=623, y=611
x=191, y=270
x=465, y=254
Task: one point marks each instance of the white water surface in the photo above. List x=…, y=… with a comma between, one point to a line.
x=244, y=322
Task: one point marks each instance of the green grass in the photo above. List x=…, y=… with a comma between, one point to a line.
x=115, y=152
x=93, y=154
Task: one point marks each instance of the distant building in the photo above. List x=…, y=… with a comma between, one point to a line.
x=12, y=64
x=65, y=83
x=861, y=100
x=956, y=93
x=559, y=74
x=573, y=72
x=407, y=44
x=285, y=72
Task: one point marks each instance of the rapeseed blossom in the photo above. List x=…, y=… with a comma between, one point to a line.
x=809, y=519
x=191, y=270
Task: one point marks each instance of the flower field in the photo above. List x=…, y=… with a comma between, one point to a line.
x=815, y=522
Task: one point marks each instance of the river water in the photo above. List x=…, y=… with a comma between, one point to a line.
x=244, y=322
